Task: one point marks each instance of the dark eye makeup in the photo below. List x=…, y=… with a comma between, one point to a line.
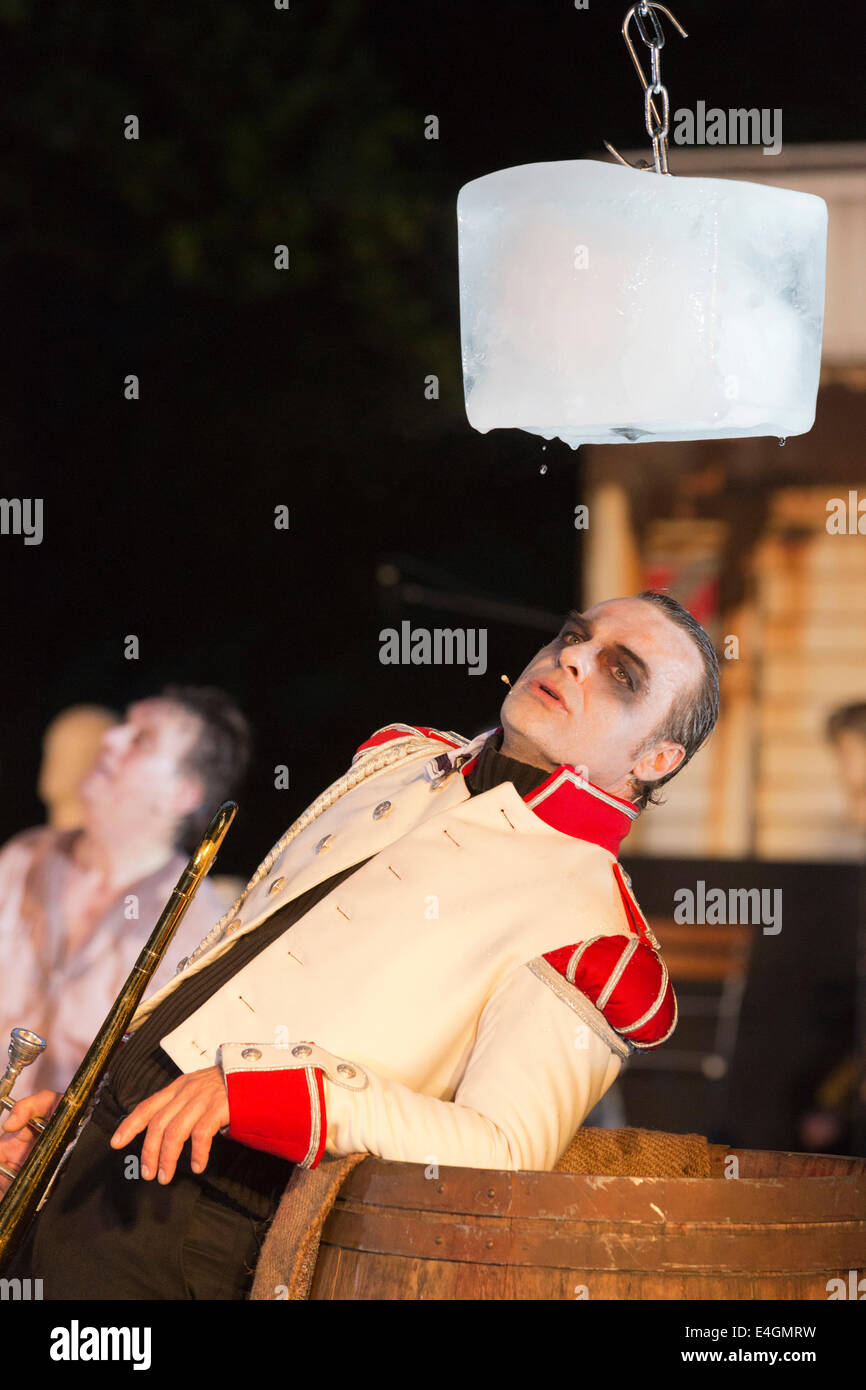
x=574, y=630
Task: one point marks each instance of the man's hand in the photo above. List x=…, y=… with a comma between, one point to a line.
x=15, y=1145
x=194, y=1106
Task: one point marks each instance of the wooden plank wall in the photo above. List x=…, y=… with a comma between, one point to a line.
x=767, y=784
x=810, y=589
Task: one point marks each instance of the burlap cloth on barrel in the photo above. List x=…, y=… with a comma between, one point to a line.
x=291, y=1248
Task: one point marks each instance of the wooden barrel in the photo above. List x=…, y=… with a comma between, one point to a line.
x=783, y=1228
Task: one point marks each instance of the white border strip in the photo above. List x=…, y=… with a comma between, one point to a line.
x=568, y=776
x=583, y=1007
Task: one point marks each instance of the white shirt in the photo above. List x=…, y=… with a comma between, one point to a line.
x=63, y=991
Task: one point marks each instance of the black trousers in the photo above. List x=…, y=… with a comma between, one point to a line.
x=105, y=1233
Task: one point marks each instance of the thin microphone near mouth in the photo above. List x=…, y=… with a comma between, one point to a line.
x=507, y=682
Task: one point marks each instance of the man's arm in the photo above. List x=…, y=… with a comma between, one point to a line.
x=549, y=1044
x=535, y=1072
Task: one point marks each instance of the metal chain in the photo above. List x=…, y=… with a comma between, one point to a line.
x=657, y=125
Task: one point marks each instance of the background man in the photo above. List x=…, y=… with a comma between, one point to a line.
x=76, y=906
x=441, y=960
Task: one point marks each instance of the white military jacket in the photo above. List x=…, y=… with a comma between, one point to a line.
x=445, y=989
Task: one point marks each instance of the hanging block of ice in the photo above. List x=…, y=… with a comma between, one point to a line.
x=603, y=304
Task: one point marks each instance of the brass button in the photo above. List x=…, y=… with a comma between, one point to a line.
x=276, y=886
x=382, y=810
x=345, y=1070
x=324, y=843
x=251, y=1054
x=302, y=1050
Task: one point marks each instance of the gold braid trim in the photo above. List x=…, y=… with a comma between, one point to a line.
x=216, y=942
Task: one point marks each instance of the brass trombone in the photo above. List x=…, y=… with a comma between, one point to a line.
x=30, y=1184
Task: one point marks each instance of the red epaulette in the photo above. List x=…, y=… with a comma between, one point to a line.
x=627, y=981
x=636, y=920
x=392, y=732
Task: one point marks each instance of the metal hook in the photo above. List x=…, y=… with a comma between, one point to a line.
x=650, y=5
x=640, y=12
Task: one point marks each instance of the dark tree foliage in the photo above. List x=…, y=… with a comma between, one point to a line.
x=258, y=127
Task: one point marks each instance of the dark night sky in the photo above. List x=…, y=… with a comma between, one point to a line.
x=155, y=258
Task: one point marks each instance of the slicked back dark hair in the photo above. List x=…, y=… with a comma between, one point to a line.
x=693, y=714
x=220, y=755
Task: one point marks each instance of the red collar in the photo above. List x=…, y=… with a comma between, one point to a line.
x=567, y=802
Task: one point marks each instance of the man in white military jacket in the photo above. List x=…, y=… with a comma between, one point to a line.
x=441, y=960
